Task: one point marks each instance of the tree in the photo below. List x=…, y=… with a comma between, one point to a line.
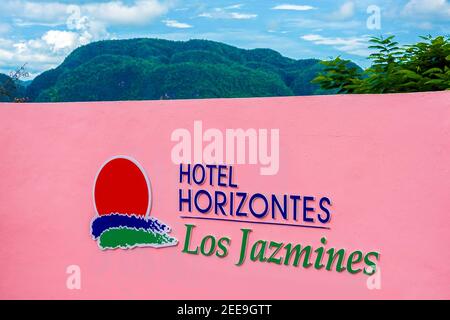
x=424, y=66
x=338, y=74
x=9, y=88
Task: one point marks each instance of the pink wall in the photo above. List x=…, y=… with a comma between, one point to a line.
x=384, y=160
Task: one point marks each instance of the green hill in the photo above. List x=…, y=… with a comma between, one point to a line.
x=146, y=69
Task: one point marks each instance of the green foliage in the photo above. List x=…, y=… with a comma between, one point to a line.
x=339, y=75
x=424, y=66
x=10, y=90
x=42, y=82
x=145, y=69
x=105, y=77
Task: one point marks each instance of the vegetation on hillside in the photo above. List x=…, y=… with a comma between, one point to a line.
x=146, y=69
x=12, y=88
x=424, y=66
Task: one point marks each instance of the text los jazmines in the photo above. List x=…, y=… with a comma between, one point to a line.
x=218, y=202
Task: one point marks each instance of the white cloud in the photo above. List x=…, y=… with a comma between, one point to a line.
x=6, y=55
x=116, y=12
x=54, y=12
x=237, y=15
x=235, y=6
x=325, y=24
x=346, y=11
x=435, y=8
x=35, y=53
x=113, y=12
x=88, y=28
x=227, y=15
x=176, y=24
x=60, y=40
x=24, y=23
x=353, y=45
x=293, y=7
x=224, y=13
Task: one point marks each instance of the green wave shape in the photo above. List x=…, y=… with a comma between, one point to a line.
x=128, y=238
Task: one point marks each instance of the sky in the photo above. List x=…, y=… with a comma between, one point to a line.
x=42, y=33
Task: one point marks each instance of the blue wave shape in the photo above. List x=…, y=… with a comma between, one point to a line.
x=103, y=223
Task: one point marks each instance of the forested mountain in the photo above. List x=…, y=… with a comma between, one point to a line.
x=146, y=69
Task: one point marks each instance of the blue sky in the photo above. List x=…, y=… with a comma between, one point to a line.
x=42, y=33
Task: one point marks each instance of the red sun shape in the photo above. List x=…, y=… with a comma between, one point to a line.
x=121, y=187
